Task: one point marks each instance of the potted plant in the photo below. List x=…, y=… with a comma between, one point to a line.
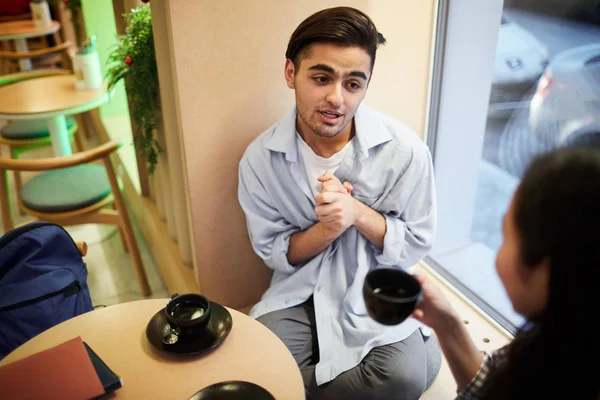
x=134, y=61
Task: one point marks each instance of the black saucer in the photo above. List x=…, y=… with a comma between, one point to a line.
x=216, y=331
x=233, y=390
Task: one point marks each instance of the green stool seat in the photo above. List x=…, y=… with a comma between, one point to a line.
x=30, y=129
x=66, y=189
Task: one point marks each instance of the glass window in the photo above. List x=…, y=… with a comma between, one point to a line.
x=514, y=79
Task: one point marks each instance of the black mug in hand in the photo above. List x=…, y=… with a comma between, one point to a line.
x=391, y=295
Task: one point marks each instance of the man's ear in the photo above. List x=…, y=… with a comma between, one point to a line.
x=290, y=72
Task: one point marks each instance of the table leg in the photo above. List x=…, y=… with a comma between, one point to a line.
x=57, y=38
x=4, y=65
x=5, y=205
x=59, y=135
x=24, y=63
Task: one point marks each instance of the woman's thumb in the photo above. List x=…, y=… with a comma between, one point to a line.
x=418, y=314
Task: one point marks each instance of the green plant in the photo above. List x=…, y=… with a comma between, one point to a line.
x=133, y=59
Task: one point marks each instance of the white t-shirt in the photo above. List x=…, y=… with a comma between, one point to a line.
x=316, y=165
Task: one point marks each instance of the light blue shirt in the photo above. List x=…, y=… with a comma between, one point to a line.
x=391, y=171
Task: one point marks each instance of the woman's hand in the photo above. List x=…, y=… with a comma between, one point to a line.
x=460, y=351
x=434, y=310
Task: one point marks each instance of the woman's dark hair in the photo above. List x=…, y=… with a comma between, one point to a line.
x=557, y=217
x=343, y=26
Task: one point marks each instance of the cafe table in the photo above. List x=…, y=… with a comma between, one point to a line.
x=50, y=98
x=19, y=31
x=251, y=353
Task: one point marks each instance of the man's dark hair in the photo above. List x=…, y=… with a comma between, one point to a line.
x=342, y=26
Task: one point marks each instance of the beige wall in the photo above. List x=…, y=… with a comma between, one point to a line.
x=229, y=58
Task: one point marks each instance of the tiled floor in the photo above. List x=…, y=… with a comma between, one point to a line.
x=111, y=275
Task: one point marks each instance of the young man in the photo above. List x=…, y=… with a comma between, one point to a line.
x=331, y=191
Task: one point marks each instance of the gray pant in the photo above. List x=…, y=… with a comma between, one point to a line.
x=401, y=370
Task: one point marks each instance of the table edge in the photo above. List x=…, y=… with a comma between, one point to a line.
x=55, y=27
x=81, y=108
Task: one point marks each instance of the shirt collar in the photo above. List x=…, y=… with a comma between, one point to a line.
x=370, y=132
x=283, y=139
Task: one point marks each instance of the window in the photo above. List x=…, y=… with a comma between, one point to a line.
x=511, y=81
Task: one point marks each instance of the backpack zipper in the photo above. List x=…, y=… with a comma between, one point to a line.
x=70, y=290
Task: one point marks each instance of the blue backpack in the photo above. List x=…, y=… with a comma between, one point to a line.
x=43, y=282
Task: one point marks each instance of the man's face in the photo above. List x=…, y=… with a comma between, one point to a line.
x=330, y=83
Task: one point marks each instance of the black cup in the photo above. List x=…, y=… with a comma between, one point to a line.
x=391, y=295
x=188, y=312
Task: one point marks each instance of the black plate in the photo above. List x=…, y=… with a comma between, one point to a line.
x=216, y=331
x=233, y=390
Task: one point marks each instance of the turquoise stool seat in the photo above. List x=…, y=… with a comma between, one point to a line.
x=30, y=129
x=66, y=189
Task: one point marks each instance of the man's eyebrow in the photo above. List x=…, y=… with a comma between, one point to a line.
x=327, y=68
x=358, y=74
x=322, y=67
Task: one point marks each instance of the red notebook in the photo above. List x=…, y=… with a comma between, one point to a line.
x=61, y=372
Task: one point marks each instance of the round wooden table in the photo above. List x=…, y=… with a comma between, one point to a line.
x=117, y=334
x=50, y=98
x=20, y=31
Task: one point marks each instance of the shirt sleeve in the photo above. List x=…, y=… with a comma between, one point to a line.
x=476, y=388
x=269, y=232
x=411, y=220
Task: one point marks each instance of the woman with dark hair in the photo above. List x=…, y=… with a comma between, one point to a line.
x=549, y=263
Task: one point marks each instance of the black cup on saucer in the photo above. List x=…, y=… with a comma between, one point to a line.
x=188, y=314
x=391, y=295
